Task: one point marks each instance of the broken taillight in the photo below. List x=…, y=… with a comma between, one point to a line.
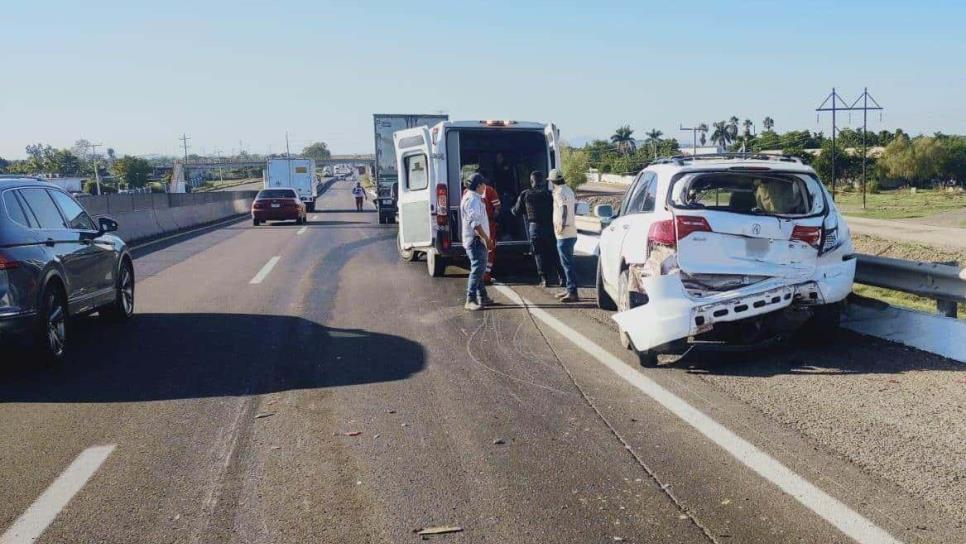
x=810, y=235
x=661, y=233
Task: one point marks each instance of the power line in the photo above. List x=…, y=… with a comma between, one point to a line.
x=865, y=97
x=833, y=96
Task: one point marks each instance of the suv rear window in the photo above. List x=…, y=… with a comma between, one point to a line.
x=756, y=194
x=43, y=208
x=277, y=193
x=14, y=210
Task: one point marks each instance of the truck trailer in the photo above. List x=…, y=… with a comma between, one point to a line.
x=387, y=174
x=298, y=174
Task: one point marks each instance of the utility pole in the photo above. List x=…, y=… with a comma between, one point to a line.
x=184, y=143
x=694, y=139
x=288, y=159
x=865, y=97
x=833, y=96
x=97, y=176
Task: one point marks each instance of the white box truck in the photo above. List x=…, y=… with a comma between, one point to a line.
x=298, y=174
x=431, y=162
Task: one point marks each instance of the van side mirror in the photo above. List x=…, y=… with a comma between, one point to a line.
x=106, y=224
x=582, y=208
x=604, y=211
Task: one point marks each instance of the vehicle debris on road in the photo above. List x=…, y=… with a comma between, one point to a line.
x=438, y=530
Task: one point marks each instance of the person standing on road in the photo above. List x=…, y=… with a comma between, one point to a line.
x=492, y=202
x=537, y=203
x=565, y=229
x=475, y=230
x=360, y=195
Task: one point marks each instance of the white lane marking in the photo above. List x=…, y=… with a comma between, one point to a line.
x=302, y=230
x=29, y=526
x=265, y=270
x=850, y=522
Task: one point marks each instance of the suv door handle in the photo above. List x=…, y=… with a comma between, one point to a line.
x=625, y=226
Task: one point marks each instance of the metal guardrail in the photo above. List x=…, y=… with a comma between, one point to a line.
x=944, y=283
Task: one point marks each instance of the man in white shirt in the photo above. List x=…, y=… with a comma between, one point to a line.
x=360, y=195
x=475, y=231
x=565, y=229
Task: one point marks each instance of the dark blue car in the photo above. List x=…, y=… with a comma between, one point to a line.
x=56, y=263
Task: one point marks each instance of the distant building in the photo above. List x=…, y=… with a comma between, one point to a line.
x=702, y=150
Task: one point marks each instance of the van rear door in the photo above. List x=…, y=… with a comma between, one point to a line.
x=553, y=139
x=417, y=182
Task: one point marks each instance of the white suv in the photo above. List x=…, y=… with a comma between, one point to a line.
x=723, y=251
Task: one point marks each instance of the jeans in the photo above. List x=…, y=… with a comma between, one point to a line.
x=565, y=247
x=543, y=244
x=475, y=288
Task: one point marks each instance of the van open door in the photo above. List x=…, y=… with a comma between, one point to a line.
x=553, y=144
x=417, y=182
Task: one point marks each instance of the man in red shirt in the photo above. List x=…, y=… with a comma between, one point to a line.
x=492, y=201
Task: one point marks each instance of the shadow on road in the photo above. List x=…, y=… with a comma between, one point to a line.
x=182, y=356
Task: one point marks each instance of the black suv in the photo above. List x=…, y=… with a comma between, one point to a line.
x=55, y=263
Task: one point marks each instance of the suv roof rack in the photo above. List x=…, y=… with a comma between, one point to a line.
x=681, y=159
x=21, y=176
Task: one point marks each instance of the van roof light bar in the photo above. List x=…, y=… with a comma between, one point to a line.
x=497, y=123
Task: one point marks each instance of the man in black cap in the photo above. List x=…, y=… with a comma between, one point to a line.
x=537, y=204
x=475, y=231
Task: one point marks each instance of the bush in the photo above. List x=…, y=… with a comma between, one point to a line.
x=575, y=164
x=156, y=187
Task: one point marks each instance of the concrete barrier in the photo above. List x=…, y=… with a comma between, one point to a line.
x=145, y=216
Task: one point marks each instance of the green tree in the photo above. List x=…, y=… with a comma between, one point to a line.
x=131, y=171
x=654, y=138
x=721, y=136
x=623, y=138
x=4, y=164
x=318, y=151
x=575, y=165
x=733, y=127
x=703, y=133
x=768, y=124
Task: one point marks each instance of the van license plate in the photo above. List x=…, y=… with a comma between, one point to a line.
x=276, y=205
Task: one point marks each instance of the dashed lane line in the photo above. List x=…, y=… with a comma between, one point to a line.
x=302, y=230
x=851, y=523
x=29, y=526
x=263, y=273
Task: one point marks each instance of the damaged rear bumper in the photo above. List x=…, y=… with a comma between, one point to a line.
x=673, y=314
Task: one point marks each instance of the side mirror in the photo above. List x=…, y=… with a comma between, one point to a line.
x=582, y=208
x=604, y=211
x=106, y=224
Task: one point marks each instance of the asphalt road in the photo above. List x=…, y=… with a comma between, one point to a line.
x=301, y=384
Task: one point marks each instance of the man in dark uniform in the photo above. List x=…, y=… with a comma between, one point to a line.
x=537, y=203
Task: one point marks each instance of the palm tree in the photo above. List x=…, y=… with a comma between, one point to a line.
x=733, y=127
x=654, y=138
x=746, y=126
x=768, y=123
x=703, y=129
x=722, y=134
x=624, y=139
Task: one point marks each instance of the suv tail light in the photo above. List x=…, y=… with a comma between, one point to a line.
x=7, y=263
x=442, y=205
x=810, y=235
x=661, y=233
x=686, y=224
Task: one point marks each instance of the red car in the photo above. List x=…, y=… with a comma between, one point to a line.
x=278, y=205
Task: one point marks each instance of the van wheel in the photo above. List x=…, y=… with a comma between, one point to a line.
x=407, y=255
x=123, y=306
x=604, y=302
x=435, y=264
x=51, y=329
x=310, y=206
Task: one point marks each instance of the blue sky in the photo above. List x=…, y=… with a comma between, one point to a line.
x=135, y=75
